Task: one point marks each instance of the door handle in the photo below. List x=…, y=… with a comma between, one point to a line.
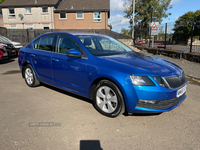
x=55, y=60
x=32, y=55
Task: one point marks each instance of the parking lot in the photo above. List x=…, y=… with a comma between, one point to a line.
x=77, y=125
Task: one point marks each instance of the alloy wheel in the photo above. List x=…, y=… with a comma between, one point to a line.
x=106, y=99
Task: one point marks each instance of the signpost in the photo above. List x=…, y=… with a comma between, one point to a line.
x=154, y=28
x=154, y=19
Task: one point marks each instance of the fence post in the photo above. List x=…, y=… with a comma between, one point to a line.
x=192, y=35
x=6, y=32
x=165, y=35
x=27, y=35
x=150, y=25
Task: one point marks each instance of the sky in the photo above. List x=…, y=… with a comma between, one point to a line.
x=179, y=7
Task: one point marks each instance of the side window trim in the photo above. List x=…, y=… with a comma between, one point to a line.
x=81, y=49
x=40, y=41
x=54, y=43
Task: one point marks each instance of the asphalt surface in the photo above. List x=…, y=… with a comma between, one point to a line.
x=77, y=125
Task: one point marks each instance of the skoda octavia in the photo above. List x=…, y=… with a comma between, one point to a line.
x=101, y=68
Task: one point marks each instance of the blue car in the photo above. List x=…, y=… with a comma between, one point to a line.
x=101, y=68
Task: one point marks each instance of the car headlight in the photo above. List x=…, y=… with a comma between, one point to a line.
x=141, y=80
x=160, y=81
x=3, y=44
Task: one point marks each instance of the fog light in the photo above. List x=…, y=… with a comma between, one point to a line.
x=146, y=102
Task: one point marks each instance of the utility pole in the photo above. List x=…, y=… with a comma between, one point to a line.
x=140, y=30
x=133, y=22
x=150, y=24
x=165, y=35
x=192, y=35
x=117, y=22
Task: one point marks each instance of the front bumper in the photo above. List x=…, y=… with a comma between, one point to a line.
x=4, y=57
x=11, y=52
x=164, y=106
x=164, y=99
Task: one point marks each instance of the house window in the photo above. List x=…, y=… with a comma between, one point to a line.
x=44, y=9
x=28, y=10
x=63, y=15
x=45, y=26
x=97, y=16
x=79, y=15
x=14, y=26
x=29, y=26
x=11, y=12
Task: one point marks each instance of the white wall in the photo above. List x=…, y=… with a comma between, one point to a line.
x=37, y=18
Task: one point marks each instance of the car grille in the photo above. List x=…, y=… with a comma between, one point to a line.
x=162, y=104
x=18, y=45
x=175, y=81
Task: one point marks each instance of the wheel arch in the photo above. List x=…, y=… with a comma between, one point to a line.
x=93, y=84
x=24, y=65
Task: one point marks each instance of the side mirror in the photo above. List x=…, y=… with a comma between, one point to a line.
x=73, y=53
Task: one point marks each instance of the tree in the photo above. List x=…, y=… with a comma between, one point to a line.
x=1, y=1
x=126, y=32
x=143, y=10
x=161, y=34
x=183, y=26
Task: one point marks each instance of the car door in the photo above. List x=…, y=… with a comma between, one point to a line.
x=69, y=72
x=41, y=57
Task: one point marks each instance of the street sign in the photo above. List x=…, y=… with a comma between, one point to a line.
x=154, y=19
x=154, y=26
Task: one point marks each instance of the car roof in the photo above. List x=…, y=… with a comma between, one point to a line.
x=77, y=34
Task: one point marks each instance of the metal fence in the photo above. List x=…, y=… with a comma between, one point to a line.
x=169, y=39
x=24, y=36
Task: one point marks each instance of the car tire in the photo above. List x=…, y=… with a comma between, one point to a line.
x=108, y=99
x=29, y=76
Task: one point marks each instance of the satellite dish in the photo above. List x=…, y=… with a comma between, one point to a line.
x=21, y=16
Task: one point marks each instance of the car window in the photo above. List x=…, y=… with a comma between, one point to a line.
x=109, y=45
x=46, y=43
x=65, y=43
x=36, y=44
x=103, y=45
x=5, y=39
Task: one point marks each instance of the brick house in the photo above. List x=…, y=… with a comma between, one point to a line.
x=82, y=14
x=56, y=14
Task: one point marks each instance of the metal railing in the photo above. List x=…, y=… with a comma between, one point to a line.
x=168, y=39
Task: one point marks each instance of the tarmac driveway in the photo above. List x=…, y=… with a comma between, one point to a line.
x=71, y=122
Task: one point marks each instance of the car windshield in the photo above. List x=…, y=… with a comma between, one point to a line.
x=103, y=46
x=5, y=39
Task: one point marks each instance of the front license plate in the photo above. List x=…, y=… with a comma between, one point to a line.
x=181, y=91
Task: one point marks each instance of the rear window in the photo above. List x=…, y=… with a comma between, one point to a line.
x=44, y=43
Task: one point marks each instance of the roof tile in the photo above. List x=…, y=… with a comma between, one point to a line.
x=81, y=5
x=10, y=3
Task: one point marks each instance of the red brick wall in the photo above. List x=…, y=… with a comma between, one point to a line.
x=87, y=23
